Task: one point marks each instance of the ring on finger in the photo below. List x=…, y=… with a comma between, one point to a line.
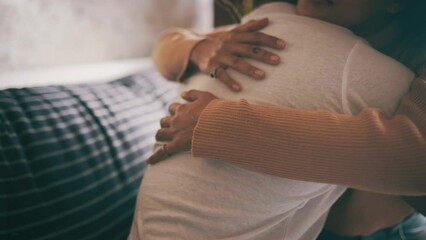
x=162, y=122
x=213, y=74
x=163, y=150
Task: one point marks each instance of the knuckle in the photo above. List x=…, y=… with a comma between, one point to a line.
x=175, y=119
x=158, y=134
x=220, y=45
x=172, y=106
x=179, y=108
x=225, y=39
x=172, y=120
x=182, y=107
x=229, y=35
x=172, y=132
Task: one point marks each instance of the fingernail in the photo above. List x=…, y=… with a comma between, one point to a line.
x=236, y=87
x=275, y=59
x=183, y=94
x=259, y=73
x=280, y=43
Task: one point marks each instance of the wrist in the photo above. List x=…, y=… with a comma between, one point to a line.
x=195, y=56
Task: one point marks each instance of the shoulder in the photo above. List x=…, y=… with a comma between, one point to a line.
x=413, y=55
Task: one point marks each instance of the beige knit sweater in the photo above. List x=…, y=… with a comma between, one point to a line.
x=370, y=151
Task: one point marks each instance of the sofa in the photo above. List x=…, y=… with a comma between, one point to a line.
x=72, y=156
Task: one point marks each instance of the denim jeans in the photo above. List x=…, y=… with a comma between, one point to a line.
x=411, y=228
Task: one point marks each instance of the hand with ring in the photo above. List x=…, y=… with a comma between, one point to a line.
x=177, y=129
x=224, y=49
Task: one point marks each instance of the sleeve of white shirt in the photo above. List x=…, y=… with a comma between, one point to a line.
x=372, y=79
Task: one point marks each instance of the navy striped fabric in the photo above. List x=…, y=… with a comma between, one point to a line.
x=72, y=157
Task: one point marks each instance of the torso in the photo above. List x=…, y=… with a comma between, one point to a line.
x=359, y=213
x=203, y=198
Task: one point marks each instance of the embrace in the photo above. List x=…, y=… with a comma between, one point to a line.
x=340, y=57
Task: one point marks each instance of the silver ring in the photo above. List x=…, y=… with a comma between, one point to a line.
x=163, y=149
x=213, y=74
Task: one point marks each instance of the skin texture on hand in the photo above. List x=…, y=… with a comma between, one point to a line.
x=178, y=128
x=225, y=49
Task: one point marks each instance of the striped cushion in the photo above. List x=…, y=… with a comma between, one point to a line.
x=72, y=157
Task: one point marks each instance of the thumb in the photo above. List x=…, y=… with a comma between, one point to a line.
x=191, y=95
x=160, y=155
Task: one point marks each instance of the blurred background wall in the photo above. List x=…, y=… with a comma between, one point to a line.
x=46, y=33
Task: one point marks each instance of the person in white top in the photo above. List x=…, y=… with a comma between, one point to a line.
x=326, y=67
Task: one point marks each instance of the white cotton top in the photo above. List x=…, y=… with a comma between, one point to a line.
x=324, y=66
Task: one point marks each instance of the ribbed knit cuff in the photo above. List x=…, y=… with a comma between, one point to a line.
x=210, y=119
x=185, y=51
x=172, y=53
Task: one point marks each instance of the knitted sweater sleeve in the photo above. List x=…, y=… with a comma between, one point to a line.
x=369, y=151
x=171, y=54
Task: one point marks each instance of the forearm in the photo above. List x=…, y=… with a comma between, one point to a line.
x=172, y=53
x=368, y=152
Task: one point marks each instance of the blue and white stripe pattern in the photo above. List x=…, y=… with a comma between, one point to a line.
x=72, y=157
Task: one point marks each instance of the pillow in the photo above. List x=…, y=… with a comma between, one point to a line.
x=72, y=157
